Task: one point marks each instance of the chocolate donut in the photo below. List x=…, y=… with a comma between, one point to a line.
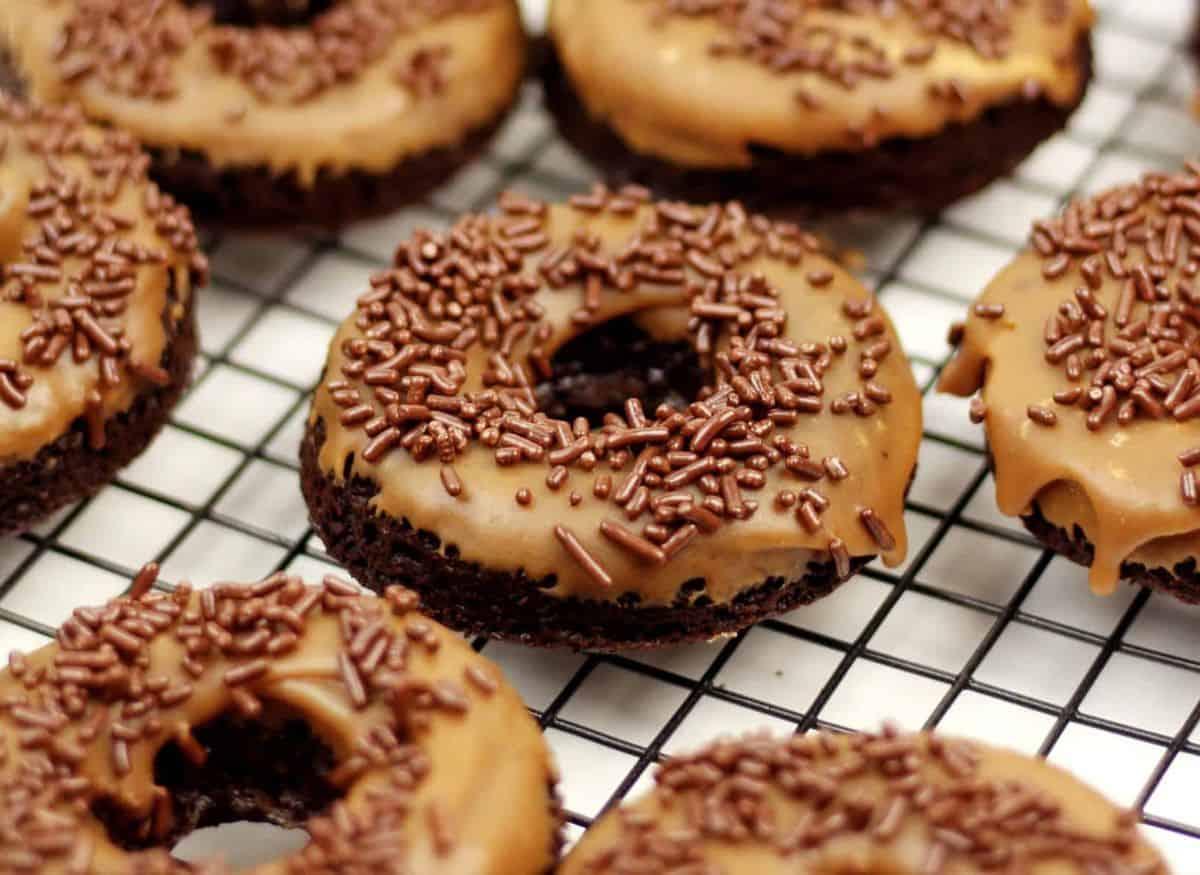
x=97, y=333
x=1086, y=350
x=281, y=114
x=815, y=107
x=435, y=456
x=869, y=804
x=382, y=734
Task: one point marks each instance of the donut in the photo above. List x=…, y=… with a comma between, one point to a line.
x=1085, y=352
x=443, y=450
x=865, y=804
x=806, y=107
x=280, y=114
x=389, y=740
x=97, y=332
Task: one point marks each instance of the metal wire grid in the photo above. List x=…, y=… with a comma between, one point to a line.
x=1110, y=689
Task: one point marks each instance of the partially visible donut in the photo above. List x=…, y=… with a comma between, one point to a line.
x=386, y=737
x=814, y=105
x=431, y=460
x=97, y=326
x=1085, y=354
x=291, y=114
x=861, y=804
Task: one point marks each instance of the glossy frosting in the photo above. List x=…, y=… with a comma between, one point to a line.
x=1120, y=484
x=370, y=122
x=485, y=524
x=653, y=78
x=58, y=394
x=488, y=771
x=869, y=805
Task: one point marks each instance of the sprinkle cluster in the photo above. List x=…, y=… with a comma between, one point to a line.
x=104, y=689
x=741, y=792
x=78, y=265
x=476, y=286
x=779, y=35
x=133, y=46
x=1138, y=358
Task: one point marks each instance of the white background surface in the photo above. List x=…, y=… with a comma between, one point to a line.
x=981, y=632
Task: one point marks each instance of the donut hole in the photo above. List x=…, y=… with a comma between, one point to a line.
x=692, y=592
x=595, y=372
x=259, y=13
x=270, y=770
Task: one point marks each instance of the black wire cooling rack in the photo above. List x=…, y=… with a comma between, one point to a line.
x=980, y=632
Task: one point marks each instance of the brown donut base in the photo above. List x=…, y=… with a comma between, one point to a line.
x=1182, y=581
x=899, y=174
x=379, y=551
x=256, y=198
x=69, y=469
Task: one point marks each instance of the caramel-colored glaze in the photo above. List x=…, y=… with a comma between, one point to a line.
x=57, y=397
x=858, y=851
x=489, y=769
x=370, y=123
x=1120, y=485
x=658, y=85
x=486, y=525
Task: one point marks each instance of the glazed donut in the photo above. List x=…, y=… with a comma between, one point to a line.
x=358, y=107
x=382, y=734
x=866, y=804
x=812, y=106
x=430, y=457
x=97, y=333
x=1085, y=351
